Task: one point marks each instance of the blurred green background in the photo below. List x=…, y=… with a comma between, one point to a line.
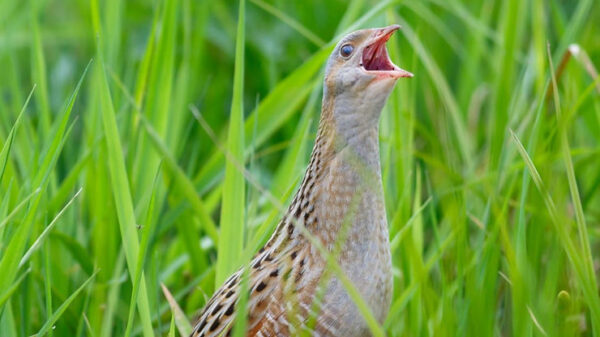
x=110, y=186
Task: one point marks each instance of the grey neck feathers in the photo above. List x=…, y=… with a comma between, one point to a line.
x=350, y=129
x=344, y=152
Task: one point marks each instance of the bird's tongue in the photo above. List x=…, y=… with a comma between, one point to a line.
x=375, y=56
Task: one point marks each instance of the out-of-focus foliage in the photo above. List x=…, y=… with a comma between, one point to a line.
x=491, y=181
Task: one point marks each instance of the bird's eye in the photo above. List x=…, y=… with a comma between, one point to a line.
x=346, y=50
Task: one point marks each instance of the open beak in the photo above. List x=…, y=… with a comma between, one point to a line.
x=375, y=58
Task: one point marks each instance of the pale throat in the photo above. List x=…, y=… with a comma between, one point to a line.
x=353, y=131
x=346, y=163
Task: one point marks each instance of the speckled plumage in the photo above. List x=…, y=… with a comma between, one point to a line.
x=339, y=202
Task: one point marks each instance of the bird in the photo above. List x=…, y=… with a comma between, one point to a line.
x=338, y=207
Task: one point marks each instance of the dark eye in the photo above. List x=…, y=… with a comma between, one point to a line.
x=346, y=50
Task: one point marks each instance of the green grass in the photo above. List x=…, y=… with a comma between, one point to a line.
x=147, y=150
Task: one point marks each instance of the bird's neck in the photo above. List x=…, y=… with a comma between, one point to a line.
x=343, y=176
x=342, y=185
x=348, y=133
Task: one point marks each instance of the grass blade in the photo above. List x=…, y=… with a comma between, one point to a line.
x=122, y=196
x=46, y=231
x=47, y=327
x=231, y=238
x=119, y=181
x=11, y=135
x=183, y=325
x=149, y=228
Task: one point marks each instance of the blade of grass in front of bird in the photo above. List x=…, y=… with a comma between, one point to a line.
x=47, y=326
x=332, y=265
x=241, y=313
x=182, y=323
x=232, y=225
x=198, y=281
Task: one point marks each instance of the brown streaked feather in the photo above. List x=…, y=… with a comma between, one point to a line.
x=271, y=279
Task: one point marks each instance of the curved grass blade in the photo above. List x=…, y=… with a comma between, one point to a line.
x=231, y=237
x=8, y=293
x=123, y=202
x=182, y=323
x=11, y=136
x=61, y=309
x=150, y=227
x=46, y=231
x=17, y=208
x=118, y=177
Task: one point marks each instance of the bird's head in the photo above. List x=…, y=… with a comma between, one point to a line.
x=359, y=75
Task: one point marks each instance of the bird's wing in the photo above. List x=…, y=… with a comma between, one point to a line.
x=270, y=282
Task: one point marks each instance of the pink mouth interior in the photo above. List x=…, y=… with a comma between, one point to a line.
x=375, y=56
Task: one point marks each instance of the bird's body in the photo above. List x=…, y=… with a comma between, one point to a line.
x=339, y=204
